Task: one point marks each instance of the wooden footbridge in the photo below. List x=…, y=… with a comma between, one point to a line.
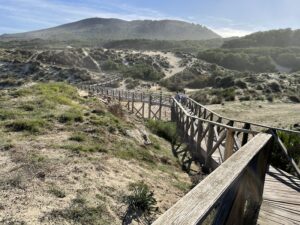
x=243, y=188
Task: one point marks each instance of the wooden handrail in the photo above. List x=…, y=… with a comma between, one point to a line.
x=213, y=122
x=199, y=113
x=221, y=194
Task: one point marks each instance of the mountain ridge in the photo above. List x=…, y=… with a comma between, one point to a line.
x=117, y=29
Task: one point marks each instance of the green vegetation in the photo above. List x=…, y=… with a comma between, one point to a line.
x=292, y=143
x=143, y=72
x=141, y=201
x=70, y=116
x=57, y=192
x=239, y=59
x=162, y=45
x=272, y=38
x=166, y=130
x=79, y=137
x=32, y=126
x=79, y=212
x=214, y=96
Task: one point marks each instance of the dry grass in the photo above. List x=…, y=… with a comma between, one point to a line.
x=44, y=173
x=272, y=114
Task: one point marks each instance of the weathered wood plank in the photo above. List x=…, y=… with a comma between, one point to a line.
x=193, y=206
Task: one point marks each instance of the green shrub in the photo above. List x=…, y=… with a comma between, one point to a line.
x=141, y=199
x=27, y=107
x=274, y=86
x=292, y=143
x=294, y=98
x=241, y=84
x=32, y=126
x=110, y=65
x=143, y=72
x=57, y=192
x=166, y=130
x=70, y=116
x=7, y=114
x=228, y=94
x=270, y=98
x=79, y=137
x=245, y=98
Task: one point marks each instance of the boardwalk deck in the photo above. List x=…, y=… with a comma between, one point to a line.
x=281, y=199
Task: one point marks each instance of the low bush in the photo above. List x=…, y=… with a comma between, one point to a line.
x=292, y=143
x=70, y=116
x=141, y=201
x=274, y=86
x=143, y=72
x=166, y=130
x=32, y=126
x=116, y=110
x=79, y=137
x=241, y=84
x=57, y=192
x=294, y=98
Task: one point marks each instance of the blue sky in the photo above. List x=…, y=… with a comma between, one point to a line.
x=226, y=17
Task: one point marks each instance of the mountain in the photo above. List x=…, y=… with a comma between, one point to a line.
x=116, y=29
x=272, y=38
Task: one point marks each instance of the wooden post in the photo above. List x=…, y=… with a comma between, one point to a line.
x=245, y=135
x=192, y=138
x=160, y=105
x=200, y=133
x=149, y=107
x=199, y=111
x=173, y=113
x=119, y=96
x=143, y=104
x=210, y=142
x=211, y=117
x=186, y=129
x=229, y=143
x=219, y=121
x=132, y=102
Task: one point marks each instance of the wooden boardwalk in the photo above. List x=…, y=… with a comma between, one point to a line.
x=281, y=199
x=212, y=140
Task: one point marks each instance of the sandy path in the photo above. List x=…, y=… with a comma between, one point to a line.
x=272, y=114
x=172, y=59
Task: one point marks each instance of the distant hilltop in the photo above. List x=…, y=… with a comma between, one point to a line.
x=116, y=29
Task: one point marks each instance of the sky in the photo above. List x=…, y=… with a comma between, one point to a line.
x=225, y=17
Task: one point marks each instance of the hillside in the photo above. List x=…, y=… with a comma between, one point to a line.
x=71, y=159
x=272, y=38
x=116, y=29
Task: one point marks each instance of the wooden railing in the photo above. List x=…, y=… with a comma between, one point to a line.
x=237, y=150
x=221, y=134
x=202, y=112
x=208, y=140
x=231, y=194
x=143, y=104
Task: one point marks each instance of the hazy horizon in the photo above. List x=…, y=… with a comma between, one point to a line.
x=226, y=18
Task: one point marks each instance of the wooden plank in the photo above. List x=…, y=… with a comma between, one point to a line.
x=190, y=209
x=229, y=143
x=281, y=199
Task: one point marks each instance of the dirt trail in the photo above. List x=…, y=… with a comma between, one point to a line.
x=172, y=59
x=271, y=114
x=86, y=54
